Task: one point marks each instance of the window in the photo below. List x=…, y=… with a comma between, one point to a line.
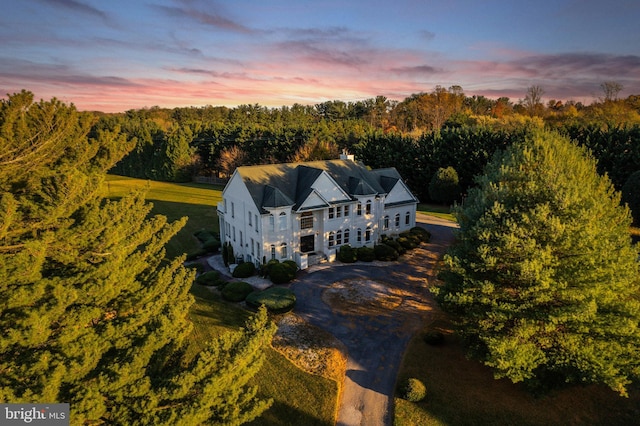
x=250, y=219
x=346, y=211
x=339, y=238
x=367, y=234
x=257, y=250
x=233, y=210
x=283, y=221
x=338, y=211
x=331, y=212
x=273, y=251
x=367, y=209
x=283, y=250
x=272, y=222
x=385, y=223
x=331, y=239
x=397, y=220
x=256, y=216
x=359, y=209
x=253, y=252
x=306, y=220
x=359, y=235
x=407, y=218
x=346, y=236
x=234, y=233
x=241, y=239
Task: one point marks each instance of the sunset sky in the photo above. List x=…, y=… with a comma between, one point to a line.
x=121, y=54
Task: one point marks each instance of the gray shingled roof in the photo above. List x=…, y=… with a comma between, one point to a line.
x=289, y=184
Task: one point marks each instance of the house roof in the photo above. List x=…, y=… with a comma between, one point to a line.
x=289, y=184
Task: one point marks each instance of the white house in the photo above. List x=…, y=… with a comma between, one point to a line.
x=306, y=211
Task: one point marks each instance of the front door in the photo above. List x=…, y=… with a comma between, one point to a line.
x=307, y=243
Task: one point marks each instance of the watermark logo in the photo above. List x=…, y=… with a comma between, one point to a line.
x=36, y=414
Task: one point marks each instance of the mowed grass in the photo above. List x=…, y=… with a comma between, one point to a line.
x=464, y=392
x=437, y=210
x=174, y=200
x=299, y=398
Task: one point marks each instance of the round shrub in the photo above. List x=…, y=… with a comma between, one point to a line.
x=407, y=243
x=212, y=245
x=244, y=270
x=293, y=266
x=423, y=234
x=366, y=254
x=208, y=278
x=385, y=252
x=279, y=273
x=396, y=246
x=413, y=390
x=276, y=299
x=434, y=338
x=236, y=291
x=631, y=195
x=347, y=254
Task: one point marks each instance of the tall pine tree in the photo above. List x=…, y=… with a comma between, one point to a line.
x=543, y=275
x=91, y=311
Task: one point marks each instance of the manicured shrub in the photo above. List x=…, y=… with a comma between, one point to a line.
x=276, y=299
x=413, y=390
x=631, y=195
x=347, y=254
x=434, y=338
x=293, y=266
x=209, y=278
x=279, y=273
x=244, y=270
x=409, y=243
x=423, y=234
x=366, y=254
x=396, y=246
x=385, y=252
x=236, y=291
x=212, y=245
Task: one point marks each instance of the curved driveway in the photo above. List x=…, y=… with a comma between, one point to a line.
x=375, y=343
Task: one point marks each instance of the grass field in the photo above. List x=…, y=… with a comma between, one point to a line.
x=443, y=212
x=174, y=200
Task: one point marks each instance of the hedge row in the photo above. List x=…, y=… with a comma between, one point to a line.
x=388, y=249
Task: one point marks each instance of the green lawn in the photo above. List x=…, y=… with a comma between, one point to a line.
x=443, y=212
x=174, y=200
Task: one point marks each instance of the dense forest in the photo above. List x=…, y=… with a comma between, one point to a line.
x=419, y=135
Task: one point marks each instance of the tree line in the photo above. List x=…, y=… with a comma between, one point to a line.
x=424, y=132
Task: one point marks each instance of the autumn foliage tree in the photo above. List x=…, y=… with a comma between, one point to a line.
x=91, y=311
x=543, y=275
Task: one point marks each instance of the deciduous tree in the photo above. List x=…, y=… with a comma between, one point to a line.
x=543, y=275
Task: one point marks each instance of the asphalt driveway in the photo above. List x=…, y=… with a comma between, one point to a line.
x=375, y=342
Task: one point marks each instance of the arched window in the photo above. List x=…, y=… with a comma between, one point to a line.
x=367, y=234
x=397, y=220
x=385, y=223
x=367, y=208
x=339, y=238
x=331, y=239
x=359, y=235
x=346, y=236
x=272, y=222
x=273, y=251
x=283, y=250
x=283, y=221
x=407, y=219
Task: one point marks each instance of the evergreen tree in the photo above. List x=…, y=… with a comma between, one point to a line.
x=543, y=275
x=91, y=311
x=444, y=186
